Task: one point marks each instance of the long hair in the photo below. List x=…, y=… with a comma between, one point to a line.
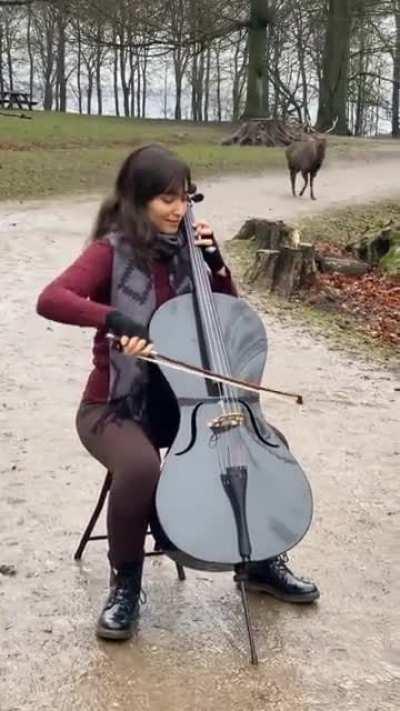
x=147, y=172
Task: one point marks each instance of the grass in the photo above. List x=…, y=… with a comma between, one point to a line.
x=55, y=154
x=347, y=224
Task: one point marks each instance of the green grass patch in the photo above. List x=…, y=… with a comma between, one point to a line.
x=58, y=153
x=55, y=153
x=346, y=225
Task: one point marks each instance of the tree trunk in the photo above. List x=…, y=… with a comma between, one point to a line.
x=89, y=91
x=178, y=69
x=138, y=89
x=362, y=68
x=335, y=74
x=1, y=58
x=9, y=60
x=30, y=52
x=197, y=83
x=99, y=91
x=124, y=83
x=207, y=85
x=144, y=83
x=132, y=83
x=218, y=87
x=276, y=55
x=194, y=86
x=257, y=43
x=165, y=98
x=396, y=78
x=115, y=76
x=236, y=80
x=79, y=67
x=61, y=78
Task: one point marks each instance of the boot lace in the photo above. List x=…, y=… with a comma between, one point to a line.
x=127, y=590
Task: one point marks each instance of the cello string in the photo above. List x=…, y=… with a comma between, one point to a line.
x=214, y=328
x=201, y=296
x=222, y=354
x=205, y=298
x=207, y=302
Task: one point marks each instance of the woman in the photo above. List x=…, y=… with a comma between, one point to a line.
x=137, y=260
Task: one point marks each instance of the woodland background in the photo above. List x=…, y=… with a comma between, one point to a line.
x=213, y=60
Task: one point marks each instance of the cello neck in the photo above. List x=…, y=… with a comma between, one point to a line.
x=206, y=314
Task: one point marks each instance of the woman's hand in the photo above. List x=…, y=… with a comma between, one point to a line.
x=205, y=239
x=204, y=234
x=136, y=346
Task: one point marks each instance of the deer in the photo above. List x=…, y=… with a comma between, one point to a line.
x=306, y=156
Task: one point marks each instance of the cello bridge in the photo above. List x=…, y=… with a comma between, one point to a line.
x=223, y=423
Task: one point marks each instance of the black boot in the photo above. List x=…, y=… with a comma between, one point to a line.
x=121, y=609
x=275, y=578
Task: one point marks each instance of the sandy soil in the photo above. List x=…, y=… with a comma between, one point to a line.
x=191, y=650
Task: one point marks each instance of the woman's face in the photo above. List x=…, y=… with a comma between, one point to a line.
x=166, y=211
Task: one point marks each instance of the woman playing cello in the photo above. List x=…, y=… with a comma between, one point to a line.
x=132, y=265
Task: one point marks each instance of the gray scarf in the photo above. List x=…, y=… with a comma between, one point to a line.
x=133, y=293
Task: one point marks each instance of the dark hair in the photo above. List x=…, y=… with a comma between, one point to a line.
x=144, y=174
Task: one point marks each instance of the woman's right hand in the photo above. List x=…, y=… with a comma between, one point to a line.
x=136, y=346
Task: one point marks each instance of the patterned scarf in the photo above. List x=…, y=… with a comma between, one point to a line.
x=133, y=293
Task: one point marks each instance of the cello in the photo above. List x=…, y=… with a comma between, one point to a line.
x=230, y=490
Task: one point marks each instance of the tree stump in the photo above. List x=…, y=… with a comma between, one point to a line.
x=265, y=132
x=269, y=234
x=262, y=270
x=287, y=272
x=282, y=263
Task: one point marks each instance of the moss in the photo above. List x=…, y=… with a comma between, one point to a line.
x=391, y=261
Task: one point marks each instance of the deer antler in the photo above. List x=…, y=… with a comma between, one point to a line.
x=332, y=128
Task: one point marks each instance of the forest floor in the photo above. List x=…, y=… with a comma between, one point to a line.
x=342, y=654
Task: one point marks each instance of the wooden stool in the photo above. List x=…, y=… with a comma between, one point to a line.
x=87, y=535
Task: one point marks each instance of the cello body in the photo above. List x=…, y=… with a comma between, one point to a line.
x=230, y=489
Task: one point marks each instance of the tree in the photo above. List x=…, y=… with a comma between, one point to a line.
x=260, y=17
x=335, y=72
x=396, y=73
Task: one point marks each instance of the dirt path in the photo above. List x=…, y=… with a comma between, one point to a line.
x=191, y=651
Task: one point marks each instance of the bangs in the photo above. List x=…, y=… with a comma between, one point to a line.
x=160, y=172
x=178, y=185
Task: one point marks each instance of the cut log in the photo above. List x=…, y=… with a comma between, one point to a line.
x=265, y=132
x=343, y=265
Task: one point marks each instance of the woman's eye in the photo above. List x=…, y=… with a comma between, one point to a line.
x=168, y=199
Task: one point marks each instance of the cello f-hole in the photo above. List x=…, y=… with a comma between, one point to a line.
x=256, y=427
x=193, y=431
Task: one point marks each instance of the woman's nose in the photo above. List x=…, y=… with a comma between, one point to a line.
x=179, y=208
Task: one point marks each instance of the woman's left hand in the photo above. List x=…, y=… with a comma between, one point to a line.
x=204, y=234
x=205, y=239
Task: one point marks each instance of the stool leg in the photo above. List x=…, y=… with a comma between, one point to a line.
x=181, y=571
x=94, y=517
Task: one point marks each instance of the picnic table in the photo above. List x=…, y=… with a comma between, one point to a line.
x=19, y=99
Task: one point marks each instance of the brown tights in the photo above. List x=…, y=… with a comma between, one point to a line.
x=124, y=449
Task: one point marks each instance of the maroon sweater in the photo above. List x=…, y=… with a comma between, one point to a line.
x=81, y=296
